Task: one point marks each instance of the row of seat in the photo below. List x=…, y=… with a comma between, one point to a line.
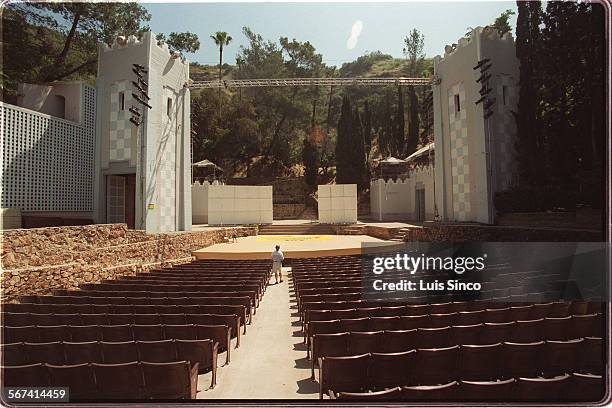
x=128, y=307
x=443, y=328
x=203, y=352
x=106, y=319
x=523, y=311
x=92, y=309
x=390, y=341
x=468, y=312
x=378, y=371
x=94, y=382
x=119, y=333
x=565, y=388
x=231, y=298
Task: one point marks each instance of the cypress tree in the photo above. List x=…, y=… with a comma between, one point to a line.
x=311, y=162
x=400, y=139
x=343, y=159
x=358, y=151
x=367, y=128
x=413, y=125
x=526, y=144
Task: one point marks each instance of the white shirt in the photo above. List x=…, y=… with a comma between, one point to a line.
x=277, y=256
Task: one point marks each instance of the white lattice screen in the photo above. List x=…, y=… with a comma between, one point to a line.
x=47, y=162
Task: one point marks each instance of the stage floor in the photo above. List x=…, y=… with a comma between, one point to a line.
x=296, y=246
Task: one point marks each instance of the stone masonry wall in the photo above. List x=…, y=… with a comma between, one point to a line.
x=36, y=261
x=460, y=233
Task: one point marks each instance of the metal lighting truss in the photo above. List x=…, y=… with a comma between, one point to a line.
x=250, y=83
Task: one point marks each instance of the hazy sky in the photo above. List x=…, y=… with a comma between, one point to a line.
x=339, y=31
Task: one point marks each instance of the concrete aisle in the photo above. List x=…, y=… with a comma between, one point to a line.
x=271, y=360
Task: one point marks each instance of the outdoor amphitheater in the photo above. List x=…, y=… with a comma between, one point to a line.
x=219, y=327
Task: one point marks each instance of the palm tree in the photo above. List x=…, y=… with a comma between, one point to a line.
x=221, y=39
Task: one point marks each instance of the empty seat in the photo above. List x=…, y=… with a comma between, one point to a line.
x=357, y=325
x=496, y=332
x=522, y=359
x=94, y=319
x=203, y=352
x=541, y=389
x=52, y=352
x=13, y=354
x=148, y=332
x=71, y=319
x=399, y=340
x=146, y=319
x=119, y=352
x=79, y=378
x=44, y=319
x=338, y=374
x=53, y=333
x=329, y=345
x=500, y=315
x=484, y=391
x=219, y=334
x=437, y=366
x=443, y=392
x=586, y=325
x=556, y=328
x=389, y=394
x=466, y=334
x=120, y=318
x=156, y=351
x=19, y=334
x=119, y=381
x=527, y=331
x=561, y=357
x=30, y=375
x=436, y=337
x=172, y=380
x=83, y=352
x=480, y=362
x=365, y=342
x=117, y=333
x=592, y=355
x=173, y=318
x=412, y=322
x=383, y=323
x=181, y=332
x=17, y=319
x=586, y=387
x=85, y=333
x=392, y=369
x=468, y=318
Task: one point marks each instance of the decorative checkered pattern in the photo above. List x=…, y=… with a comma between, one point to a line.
x=120, y=125
x=505, y=131
x=167, y=174
x=460, y=169
x=48, y=162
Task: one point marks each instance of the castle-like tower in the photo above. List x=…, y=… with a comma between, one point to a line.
x=475, y=156
x=143, y=173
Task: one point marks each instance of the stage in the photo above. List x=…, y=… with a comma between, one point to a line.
x=297, y=246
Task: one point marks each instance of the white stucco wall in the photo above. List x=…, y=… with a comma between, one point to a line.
x=396, y=200
x=231, y=205
x=337, y=203
x=158, y=151
x=474, y=159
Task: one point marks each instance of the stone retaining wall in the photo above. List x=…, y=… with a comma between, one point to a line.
x=36, y=261
x=460, y=233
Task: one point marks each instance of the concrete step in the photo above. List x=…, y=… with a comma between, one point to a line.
x=298, y=229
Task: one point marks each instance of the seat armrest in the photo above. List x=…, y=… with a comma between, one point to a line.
x=193, y=376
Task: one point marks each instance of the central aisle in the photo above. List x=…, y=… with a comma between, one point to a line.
x=271, y=360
